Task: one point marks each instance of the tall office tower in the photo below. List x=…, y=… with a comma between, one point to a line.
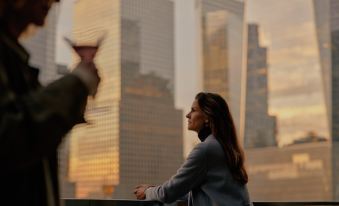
x=327, y=26
x=260, y=128
x=222, y=50
x=135, y=132
x=42, y=48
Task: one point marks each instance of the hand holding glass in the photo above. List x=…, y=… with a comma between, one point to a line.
x=87, y=51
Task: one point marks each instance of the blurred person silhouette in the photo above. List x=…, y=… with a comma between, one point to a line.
x=214, y=172
x=34, y=119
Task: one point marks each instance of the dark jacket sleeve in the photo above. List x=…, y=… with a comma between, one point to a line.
x=191, y=174
x=32, y=125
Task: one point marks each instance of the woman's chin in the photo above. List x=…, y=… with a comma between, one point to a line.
x=191, y=129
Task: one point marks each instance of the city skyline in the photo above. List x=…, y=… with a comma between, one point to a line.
x=296, y=96
x=289, y=101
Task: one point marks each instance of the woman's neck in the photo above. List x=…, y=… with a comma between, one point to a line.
x=204, y=133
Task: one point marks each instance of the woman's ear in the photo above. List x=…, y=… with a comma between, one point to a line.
x=207, y=123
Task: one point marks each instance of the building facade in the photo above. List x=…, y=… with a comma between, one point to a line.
x=222, y=52
x=134, y=133
x=300, y=172
x=260, y=127
x=327, y=29
x=42, y=47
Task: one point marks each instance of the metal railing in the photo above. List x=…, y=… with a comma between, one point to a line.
x=294, y=203
x=88, y=202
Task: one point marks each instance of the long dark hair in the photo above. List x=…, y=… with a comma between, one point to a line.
x=222, y=127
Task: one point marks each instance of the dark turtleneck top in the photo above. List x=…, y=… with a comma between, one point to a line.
x=204, y=133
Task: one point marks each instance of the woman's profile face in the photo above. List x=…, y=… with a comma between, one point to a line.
x=196, y=117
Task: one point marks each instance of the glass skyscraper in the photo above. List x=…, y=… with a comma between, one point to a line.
x=327, y=27
x=134, y=133
x=222, y=52
x=260, y=127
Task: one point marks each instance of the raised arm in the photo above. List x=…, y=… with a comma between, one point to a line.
x=32, y=125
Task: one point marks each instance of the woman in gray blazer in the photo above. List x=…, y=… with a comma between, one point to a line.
x=214, y=172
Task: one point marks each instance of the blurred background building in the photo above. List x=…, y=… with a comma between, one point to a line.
x=135, y=132
x=260, y=127
x=327, y=29
x=305, y=168
x=222, y=52
x=300, y=172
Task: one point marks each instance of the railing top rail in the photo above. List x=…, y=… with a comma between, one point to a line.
x=110, y=202
x=296, y=203
x=123, y=202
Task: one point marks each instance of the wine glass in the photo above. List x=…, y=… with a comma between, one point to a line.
x=85, y=50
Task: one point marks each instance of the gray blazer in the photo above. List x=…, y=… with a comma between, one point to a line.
x=206, y=177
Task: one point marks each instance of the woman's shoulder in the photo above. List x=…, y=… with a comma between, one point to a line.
x=211, y=141
x=212, y=146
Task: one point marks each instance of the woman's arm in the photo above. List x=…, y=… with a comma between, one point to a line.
x=190, y=175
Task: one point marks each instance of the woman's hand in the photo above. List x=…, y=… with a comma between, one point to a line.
x=140, y=190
